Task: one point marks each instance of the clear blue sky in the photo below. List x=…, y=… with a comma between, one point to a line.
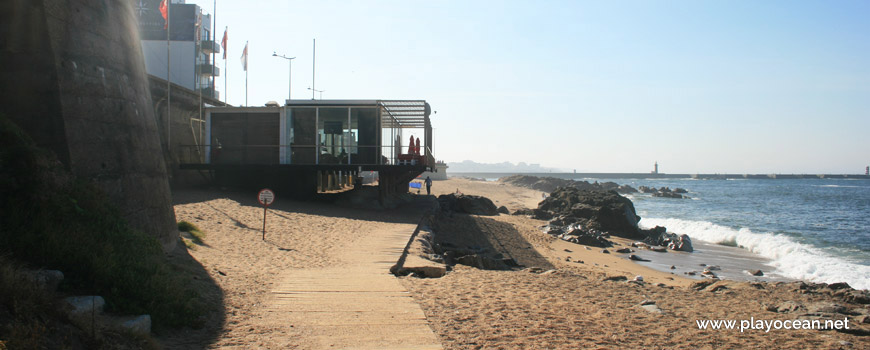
x=699, y=86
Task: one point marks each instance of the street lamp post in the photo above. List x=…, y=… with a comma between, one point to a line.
x=315, y=90
x=289, y=74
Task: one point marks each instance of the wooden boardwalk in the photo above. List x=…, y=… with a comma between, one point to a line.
x=358, y=305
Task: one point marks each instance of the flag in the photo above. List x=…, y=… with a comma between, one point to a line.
x=224, y=43
x=245, y=58
x=198, y=26
x=165, y=12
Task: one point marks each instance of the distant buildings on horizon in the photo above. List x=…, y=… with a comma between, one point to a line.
x=468, y=166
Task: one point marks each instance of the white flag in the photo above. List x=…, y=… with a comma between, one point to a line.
x=245, y=58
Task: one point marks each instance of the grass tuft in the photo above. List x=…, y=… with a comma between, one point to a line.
x=196, y=235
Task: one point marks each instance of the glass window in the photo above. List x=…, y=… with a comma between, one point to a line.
x=301, y=136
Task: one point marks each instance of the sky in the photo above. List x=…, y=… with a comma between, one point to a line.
x=592, y=86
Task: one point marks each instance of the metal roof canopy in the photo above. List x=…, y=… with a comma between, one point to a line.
x=405, y=114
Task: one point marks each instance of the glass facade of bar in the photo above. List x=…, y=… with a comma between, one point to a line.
x=306, y=134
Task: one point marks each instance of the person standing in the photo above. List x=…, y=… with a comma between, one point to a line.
x=428, y=186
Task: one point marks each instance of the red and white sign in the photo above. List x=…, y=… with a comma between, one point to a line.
x=266, y=197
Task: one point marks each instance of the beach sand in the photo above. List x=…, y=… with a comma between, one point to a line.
x=565, y=305
x=572, y=306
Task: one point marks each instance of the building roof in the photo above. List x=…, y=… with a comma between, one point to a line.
x=396, y=113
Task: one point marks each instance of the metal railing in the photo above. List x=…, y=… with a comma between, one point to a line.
x=300, y=154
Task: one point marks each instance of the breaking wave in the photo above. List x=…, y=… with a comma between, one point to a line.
x=791, y=259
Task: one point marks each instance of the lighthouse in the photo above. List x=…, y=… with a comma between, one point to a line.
x=656, y=168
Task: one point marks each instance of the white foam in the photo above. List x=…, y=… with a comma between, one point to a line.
x=791, y=259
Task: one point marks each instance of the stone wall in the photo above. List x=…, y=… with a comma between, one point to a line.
x=73, y=76
x=185, y=131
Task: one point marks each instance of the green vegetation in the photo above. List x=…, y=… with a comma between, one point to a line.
x=51, y=219
x=196, y=235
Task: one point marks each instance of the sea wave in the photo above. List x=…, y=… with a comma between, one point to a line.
x=791, y=259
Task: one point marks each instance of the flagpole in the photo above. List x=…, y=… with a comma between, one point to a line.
x=214, y=42
x=246, y=73
x=226, y=72
x=313, y=60
x=199, y=78
x=168, y=72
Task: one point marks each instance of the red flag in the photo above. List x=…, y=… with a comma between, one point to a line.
x=245, y=58
x=164, y=11
x=224, y=44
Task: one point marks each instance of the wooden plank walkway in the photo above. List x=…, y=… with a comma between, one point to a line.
x=358, y=305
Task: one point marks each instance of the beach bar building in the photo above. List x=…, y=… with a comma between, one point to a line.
x=311, y=146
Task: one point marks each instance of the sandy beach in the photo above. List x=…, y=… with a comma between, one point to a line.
x=563, y=304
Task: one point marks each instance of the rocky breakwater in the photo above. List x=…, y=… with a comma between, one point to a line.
x=590, y=217
x=665, y=192
x=550, y=184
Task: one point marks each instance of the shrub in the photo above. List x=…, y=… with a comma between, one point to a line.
x=51, y=219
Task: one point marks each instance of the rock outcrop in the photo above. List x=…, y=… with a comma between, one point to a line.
x=659, y=236
x=468, y=204
x=605, y=211
x=550, y=184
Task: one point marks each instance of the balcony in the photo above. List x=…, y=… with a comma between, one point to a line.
x=208, y=69
x=210, y=92
x=210, y=46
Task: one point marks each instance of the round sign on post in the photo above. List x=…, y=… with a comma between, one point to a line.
x=266, y=198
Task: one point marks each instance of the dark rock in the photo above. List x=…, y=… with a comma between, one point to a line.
x=659, y=236
x=605, y=251
x=839, y=285
x=624, y=250
x=668, y=194
x=673, y=267
x=756, y=272
x=636, y=258
x=604, y=211
x=468, y=204
x=576, y=233
x=645, y=189
x=680, y=190
x=625, y=189
x=503, y=209
x=550, y=184
x=541, y=214
x=524, y=211
x=615, y=278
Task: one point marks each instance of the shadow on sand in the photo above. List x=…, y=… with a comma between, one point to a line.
x=326, y=205
x=472, y=234
x=211, y=296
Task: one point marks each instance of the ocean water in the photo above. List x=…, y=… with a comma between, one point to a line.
x=810, y=229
